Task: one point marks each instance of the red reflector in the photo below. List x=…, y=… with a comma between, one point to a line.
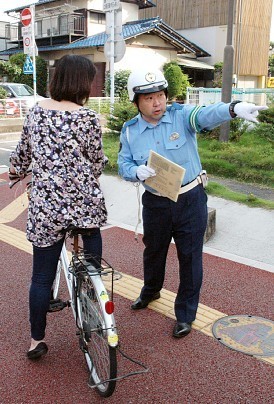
x=109, y=306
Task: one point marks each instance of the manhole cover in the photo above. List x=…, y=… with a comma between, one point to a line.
x=248, y=334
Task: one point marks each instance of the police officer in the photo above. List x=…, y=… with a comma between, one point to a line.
x=171, y=132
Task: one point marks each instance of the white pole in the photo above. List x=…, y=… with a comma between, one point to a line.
x=32, y=8
x=112, y=58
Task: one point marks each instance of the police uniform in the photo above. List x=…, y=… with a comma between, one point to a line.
x=173, y=137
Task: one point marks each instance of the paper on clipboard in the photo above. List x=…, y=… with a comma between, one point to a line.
x=169, y=176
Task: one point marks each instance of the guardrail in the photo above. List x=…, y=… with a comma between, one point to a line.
x=207, y=96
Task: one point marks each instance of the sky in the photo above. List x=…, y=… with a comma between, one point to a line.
x=19, y=3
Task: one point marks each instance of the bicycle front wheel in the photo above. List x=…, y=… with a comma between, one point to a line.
x=97, y=329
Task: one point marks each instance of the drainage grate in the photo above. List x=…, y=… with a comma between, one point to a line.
x=248, y=334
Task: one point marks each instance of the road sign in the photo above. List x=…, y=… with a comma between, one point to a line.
x=26, y=17
x=110, y=5
x=27, y=40
x=119, y=48
x=118, y=22
x=28, y=66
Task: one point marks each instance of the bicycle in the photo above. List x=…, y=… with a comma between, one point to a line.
x=93, y=310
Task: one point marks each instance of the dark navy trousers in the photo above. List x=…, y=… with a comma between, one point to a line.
x=185, y=221
x=45, y=261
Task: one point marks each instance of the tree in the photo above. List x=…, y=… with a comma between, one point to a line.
x=3, y=93
x=271, y=65
x=218, y=74
x=120, y=84
x=177, y=80
x=41, y=73
x=8, y=69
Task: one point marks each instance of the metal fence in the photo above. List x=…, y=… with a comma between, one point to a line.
x=13, y=108
x=101, y=105
x=207, y=96
x=16, y=108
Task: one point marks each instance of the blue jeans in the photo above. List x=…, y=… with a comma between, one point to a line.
x=185, y=221
x=45, y=260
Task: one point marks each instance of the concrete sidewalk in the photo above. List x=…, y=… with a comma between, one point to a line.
x=243, y=234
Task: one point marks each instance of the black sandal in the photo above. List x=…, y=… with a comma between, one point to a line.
x=39, y=351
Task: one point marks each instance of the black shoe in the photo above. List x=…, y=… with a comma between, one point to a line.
x=39, y=351
x=143, y=303
x=181, y=329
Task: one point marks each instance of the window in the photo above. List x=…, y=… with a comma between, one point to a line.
x=98, y=18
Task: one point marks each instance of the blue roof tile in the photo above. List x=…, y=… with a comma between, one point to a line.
x=129, y=30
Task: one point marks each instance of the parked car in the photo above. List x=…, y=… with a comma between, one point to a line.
x=21, y=96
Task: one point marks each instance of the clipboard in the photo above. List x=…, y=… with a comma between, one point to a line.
x=169, y=176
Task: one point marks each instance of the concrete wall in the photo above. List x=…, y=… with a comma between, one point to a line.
x=11, y=125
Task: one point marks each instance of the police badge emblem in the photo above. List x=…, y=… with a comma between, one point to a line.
x=174, y=136
x=150, y=77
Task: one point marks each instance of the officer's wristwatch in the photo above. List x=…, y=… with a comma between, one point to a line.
x=231, y=108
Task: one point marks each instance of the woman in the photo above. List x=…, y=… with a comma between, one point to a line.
x=62, y=141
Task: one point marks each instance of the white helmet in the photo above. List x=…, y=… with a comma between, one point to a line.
x=144, y=81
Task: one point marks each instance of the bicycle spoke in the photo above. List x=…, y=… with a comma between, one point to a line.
x=100, y=357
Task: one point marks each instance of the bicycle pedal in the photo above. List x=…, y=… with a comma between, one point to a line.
x=57, y=305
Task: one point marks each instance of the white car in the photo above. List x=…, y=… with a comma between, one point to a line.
x=22, y=95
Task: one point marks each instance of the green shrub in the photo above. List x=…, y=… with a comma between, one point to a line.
x=265, y=130
x=122, y=111
x=237, y=129
x=177, y=80
x=8, y=69
x=41, y=73
x=3, y=93
x=218, y=75
x=267, y=116
x=120, y=81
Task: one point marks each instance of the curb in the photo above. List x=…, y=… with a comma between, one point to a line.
x=10, y=136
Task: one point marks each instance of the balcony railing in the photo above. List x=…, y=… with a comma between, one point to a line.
x=53, y=26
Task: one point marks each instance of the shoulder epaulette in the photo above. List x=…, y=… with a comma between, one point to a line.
x=173, y=106
x=129, y=123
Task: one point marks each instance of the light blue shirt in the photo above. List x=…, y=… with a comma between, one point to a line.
x=173, y=137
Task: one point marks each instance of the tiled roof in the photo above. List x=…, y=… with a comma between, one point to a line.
x=136, y=28
x=140, y=3
x=130, y=30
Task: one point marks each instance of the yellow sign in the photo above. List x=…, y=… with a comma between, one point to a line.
x=270, y=82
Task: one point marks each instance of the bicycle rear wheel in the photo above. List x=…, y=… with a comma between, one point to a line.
x=97, y=328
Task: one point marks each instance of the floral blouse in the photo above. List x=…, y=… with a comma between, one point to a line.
x=65, y=152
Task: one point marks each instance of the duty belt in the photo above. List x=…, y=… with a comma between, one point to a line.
x=201, y=179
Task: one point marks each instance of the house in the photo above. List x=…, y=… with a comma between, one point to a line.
x=205, y=22
x=79, y=26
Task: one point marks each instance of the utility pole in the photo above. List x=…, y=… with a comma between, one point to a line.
x=228, y=69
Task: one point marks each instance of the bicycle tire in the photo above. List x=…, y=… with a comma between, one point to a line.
x=94, y=322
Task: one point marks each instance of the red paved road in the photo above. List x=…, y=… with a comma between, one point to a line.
x=197, y=369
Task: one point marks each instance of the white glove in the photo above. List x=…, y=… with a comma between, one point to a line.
x=248, y=111
x=144, y=172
